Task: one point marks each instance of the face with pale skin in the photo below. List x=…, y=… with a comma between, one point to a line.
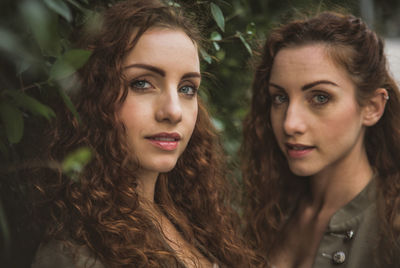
x=315, y=117
x=160, y=110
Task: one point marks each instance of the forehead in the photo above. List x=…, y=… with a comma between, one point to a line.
x=160, y=43
x=304, y=56
x=306, y=63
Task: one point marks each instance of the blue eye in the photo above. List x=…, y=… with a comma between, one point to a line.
x=319, y=99
x=188, y=90
x=140, y=84
x=279, y=98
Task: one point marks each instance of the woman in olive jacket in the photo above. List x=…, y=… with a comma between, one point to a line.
x=321, y=150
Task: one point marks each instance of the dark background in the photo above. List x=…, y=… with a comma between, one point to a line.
x=34, y=43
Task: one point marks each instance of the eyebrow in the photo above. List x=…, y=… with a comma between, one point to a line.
x=307, y=86
x=160, y=71
x=313, y=84
x=147, y=67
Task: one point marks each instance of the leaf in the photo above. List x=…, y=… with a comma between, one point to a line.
x=69, y=104
x=218, y=124
x=22, y=66
x=31, y=104
x=216, y=46
x=10, y=43
x=69, y=63
x=221, y=54
x=215, y=36
x=173, y=3
x=77, y=5
x=60, y=7
x=13, y=122
x=43, y=24
x=205, y=56
x=251, y=28
x=218, y=16
x=247, y=46
x=76, y=161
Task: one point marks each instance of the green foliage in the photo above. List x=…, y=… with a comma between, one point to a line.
x=36, y=48
x=218, y=16
x=37, y=58
x=75, y=161
x=13, y=123
x=68, y=63
x=30, y=104
x=60, y=7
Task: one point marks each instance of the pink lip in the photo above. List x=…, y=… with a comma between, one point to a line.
x=298, y=150
x=165, y=141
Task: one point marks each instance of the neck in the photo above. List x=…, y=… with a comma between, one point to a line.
x=336, y=186
x=146, y=185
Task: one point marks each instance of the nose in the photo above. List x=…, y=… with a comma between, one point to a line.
x=169, y=107
x=295, y=120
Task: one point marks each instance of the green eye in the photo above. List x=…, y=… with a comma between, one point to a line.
x=188, y=90
x=279, y=99
x=140, y=84
x=320, y=99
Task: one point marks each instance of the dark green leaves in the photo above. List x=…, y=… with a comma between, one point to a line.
x=11, y=106
x=205, y=56
x=69, y=103
x=59, y=7
x=13, y=122
x=69, y=63
x=216, y=36
x=218, y=16
x=43, y=24
x=246, y=45
x=76, y=161
x=251, y=29
x=32, y=105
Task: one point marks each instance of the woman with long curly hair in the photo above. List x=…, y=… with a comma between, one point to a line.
x=154, y=194
x=321, y=149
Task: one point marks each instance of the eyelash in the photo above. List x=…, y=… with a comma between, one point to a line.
x=277, y=98
x=134, y=85
x=326, y=98
x=193, y=89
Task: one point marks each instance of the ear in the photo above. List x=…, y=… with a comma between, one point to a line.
x=375, y=106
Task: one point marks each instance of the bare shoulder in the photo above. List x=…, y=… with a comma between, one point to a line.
x=57, y=254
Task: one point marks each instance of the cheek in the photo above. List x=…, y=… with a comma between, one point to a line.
x=193, y=118
x=345, y=122
x=191, y=112
x=276, y=123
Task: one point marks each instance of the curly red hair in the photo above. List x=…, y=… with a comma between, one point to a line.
x=272, y=190
x=101, y=210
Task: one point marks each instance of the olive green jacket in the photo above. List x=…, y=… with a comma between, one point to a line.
x=55, y=254
x=351, y=237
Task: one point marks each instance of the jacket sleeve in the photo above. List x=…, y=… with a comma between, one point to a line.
x=55, y=254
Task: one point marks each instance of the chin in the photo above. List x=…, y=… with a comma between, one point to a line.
x=301, y=171
x=165, y=167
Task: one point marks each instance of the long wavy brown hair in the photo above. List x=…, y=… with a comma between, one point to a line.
x=272, y=189
x=101, y=209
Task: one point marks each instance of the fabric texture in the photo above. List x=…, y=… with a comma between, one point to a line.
x=55, y=254
x=351, y=238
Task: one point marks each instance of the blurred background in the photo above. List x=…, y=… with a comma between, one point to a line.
x=37, y=57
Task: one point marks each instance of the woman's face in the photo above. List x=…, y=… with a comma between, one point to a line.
x=160, y=110
x=314, y=113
